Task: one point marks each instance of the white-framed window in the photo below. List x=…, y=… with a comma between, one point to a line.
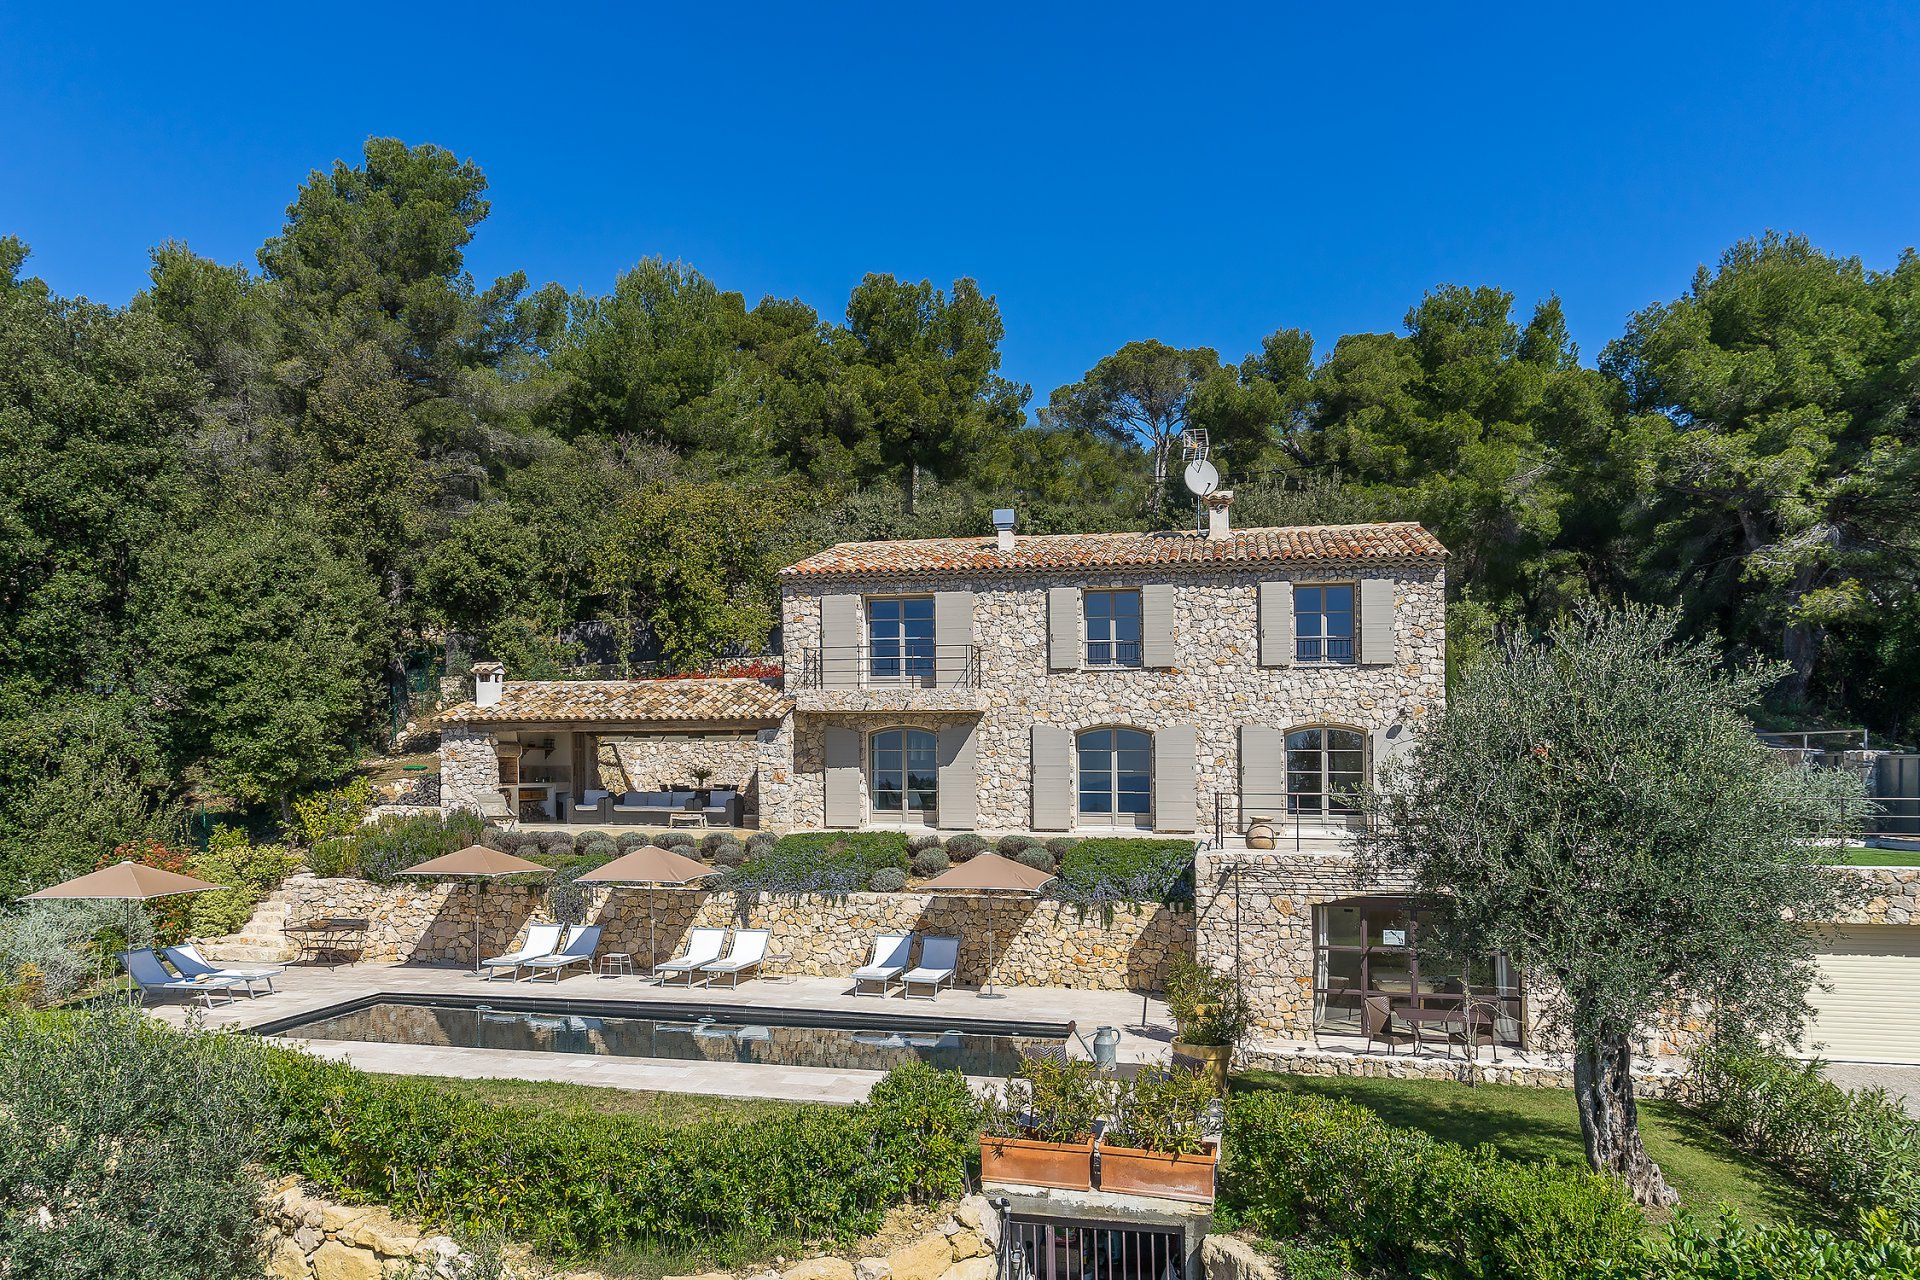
x=903, y=772
x=1116, y=777
x=1323, y=622
x=899, y=638
x=1326, y=770
x=1113, y=627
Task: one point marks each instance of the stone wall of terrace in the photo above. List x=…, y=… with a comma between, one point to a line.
x=1893, y=897
x=662, y=761
x=1021, y=941
x=469, y=766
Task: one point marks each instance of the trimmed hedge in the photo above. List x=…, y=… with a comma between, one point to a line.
x=820, y=862
x=578, y=1184
x=1402, y=1203
x=1732, y=1250
x=1113, y=869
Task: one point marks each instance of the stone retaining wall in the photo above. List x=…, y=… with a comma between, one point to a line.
x=1026, y=943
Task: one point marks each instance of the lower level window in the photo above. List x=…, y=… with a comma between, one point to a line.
x=905, y=772
x=1326, y=770
x=1116, y=774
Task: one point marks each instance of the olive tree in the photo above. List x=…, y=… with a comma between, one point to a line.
x=1596, y=806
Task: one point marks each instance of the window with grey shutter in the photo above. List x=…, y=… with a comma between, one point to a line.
x=1263, y=772
x=1052, y=778
x=1174, y=748
x=1156, y=624
x=841, y=622
x=1376, y=622
x=844, y=807
x=1063, y=628
x=959, y=780
x=1276, y=624
x=952, y=637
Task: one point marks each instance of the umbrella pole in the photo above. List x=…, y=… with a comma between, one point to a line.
x=653, y=952
x=476, y=926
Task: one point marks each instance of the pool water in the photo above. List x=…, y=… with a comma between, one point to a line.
x=727, y=1036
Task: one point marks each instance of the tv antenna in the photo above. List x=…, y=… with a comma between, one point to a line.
x=1202, y=477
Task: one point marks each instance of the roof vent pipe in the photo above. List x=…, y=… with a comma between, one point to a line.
x=1217, y=503
x=489, y=680
x=1003, y=528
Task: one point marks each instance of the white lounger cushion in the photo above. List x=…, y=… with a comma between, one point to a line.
x=542, y=940
x=939, y=957
x=749, y=949
x=703, y=948
x=891, y=954
x=581, y=943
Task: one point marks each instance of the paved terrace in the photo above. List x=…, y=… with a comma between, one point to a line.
x=306, y=989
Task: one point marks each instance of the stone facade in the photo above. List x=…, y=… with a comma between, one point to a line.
x=1022, y=942
x=469, y=766
x=1216, y=683
x=663, y=761
x=1893, y=897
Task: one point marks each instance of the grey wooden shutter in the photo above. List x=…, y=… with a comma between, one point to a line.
x=844, y=807
x=1276, y=624
x=1052, y=778
x=1376, y=622
x=842, y=619
x=1156, y=625
x=1063, y=628
x=1173, y=780
x=1263, y=772
x=959, y=801
x=952, y=637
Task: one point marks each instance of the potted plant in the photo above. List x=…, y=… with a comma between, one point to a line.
x=1039, y=1131
x=1210, y=1017
x=1157, y=1144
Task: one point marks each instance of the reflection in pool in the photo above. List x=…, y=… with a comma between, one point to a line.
x=686, y=1039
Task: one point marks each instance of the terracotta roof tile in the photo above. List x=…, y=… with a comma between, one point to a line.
x=699, y=699
x=1178, y=549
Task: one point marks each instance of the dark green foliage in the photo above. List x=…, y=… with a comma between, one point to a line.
x=585, y=1183
x=1106, y=870
x=887, y=880
x=1403, y=1204
x=965, y=845
x=495, y=838
x=1208, y=1007
x=600, y=848
x=821, y=862
x=761, y=840
x=714, y=840
x=390, y=845
x=728, y=853
x=1858, y=1150
x=1013, y=846
x=139, y=1139
x=1728, y=1249
x=922, y=840
x=556, y=842
x=928, y=862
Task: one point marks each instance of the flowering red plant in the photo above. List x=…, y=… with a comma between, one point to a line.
x=169, y=915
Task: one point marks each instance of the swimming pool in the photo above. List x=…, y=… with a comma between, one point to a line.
x=716, y=1033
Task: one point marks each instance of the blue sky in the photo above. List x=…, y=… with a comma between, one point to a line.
x=1194, y=174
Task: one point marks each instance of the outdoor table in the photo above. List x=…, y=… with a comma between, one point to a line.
x=1471, y=1018
x=336, y=936
x=616, y=964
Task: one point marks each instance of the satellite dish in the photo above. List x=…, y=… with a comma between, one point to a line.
x=1202, y=478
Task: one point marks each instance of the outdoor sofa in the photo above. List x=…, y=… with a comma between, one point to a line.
x=722, y=808
x=653, y=808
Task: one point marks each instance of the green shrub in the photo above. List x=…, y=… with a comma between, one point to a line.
x=334, y=856
x=820, y=862
x=1858, y=1150
x=713, y=840
x=761, y=840
x=1107, y=870
x=495, y=838
x=888, y=880
x=1162, y=1110
x=250, y=871
x=1014, y=846
x=139, y=1140
x=576, y=1184
x=1732, y=1250
x=50, y=952
x=328, y=815
x=1035, y=856
x=392, y=844
x=928, y=1125
x=683, y=841
x=729, y=854
x=556, y=842
x=1050, y=1098
x=523, y=842
x=930, y=862
x=1061, y=846
x=922, y=840
x=1400, y=1203
x=600, y=848
x=1209, y=1008
x=965, y=845
x=628, y=841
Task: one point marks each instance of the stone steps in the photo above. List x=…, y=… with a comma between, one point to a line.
x=262, y=939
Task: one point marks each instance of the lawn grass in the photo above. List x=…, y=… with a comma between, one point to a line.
x=1855, y=855
x=1539, y=1124
x=560, y=1097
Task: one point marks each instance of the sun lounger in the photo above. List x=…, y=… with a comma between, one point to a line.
x=579, y=947
x=703, y=947
x=749, y=949
x=892, y=952
x=186, y=958
x=149, y=974
x=542, y=940
x=939, y=957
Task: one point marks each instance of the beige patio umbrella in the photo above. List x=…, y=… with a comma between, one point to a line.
x=125, y=881
x=652, y=867
x=479, y=864
x=990, y=873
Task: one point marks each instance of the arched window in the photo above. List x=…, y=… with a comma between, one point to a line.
x=903, y=772
x=1326, y=770
x=1116, y=776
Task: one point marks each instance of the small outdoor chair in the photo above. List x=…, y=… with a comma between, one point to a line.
x=496, y=811
x=581, y=943
x=939, y=958
x=703, y=948
x=892, y=953
x=188, y=961
x=591, y=807
x=749, y=949
x=149, y=974
x=542, y=940
x=1377, y=1016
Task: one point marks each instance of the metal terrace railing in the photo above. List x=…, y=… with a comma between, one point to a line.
x=1061, y=1249
x=910, y=664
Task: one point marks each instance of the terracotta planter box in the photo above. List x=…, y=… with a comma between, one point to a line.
x=1150, y=1173
x=1067, y=1166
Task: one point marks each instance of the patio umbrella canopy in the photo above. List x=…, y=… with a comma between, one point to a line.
x=132, y=881
x=477, y=863
x=652, y=867
x=990, y=873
